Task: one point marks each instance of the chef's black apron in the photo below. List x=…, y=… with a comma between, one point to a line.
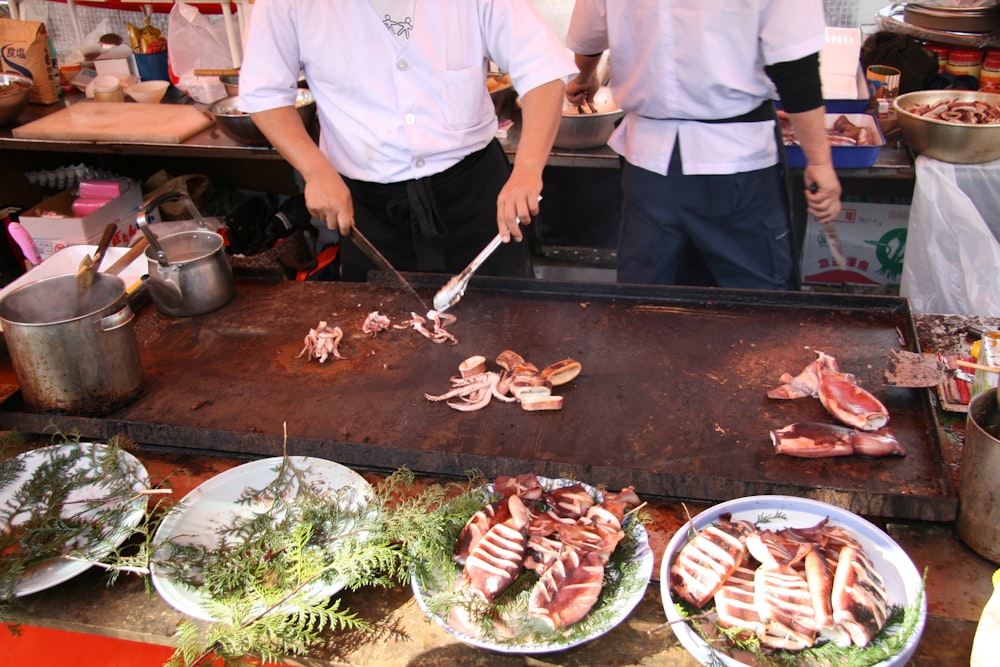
x=436, y=224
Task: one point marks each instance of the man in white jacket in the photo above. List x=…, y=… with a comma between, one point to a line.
x=701, y=162
x=407, y=148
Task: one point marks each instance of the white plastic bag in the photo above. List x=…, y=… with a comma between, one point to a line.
x=952, y=263
x=195, y=42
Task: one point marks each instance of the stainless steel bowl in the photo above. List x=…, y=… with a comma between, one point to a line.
x=231, y=82
x=958, y=143
x=588, y=130
x=14, y=92
x=240, y=126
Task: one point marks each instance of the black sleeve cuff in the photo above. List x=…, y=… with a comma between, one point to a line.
x=798, y=83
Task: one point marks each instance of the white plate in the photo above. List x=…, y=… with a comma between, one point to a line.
x=67, y=260
x=617, y=609
x=214, y=506
x=901, y=577
x=90, y=500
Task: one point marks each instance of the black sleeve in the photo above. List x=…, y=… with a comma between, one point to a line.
x=798, y=83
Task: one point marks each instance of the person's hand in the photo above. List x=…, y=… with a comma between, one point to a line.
x=329, y=200
x=518, y=201
x=582, y=89
x=822, y=192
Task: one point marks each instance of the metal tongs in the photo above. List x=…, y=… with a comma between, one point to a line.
x=453, y=290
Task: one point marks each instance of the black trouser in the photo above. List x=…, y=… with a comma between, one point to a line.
x=436, y=224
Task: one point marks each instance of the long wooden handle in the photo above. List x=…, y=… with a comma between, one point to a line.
x=216, y=72
x=128, y=257
x=978, y=367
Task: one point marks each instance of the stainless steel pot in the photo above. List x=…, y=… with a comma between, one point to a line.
x=189, y=272
x=73, y=347
x=979, y=478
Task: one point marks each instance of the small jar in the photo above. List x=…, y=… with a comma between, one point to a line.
x=989, y=76
x=965, y=62
x=941, y=51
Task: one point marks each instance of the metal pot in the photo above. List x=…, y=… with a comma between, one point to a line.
x=189, y=273
x=979, y=478
x=73, y=347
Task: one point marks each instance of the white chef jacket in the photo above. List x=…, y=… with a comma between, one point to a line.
x=391, y=111
x=695, y=60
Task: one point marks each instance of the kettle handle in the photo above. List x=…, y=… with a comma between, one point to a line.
x=116, y=320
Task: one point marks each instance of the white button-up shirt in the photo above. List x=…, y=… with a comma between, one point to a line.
x=392, y=111
x=695, y=60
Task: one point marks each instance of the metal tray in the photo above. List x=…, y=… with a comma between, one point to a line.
x=672, y=397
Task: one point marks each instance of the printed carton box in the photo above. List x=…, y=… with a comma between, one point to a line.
x=53, y=226
x=874, y=238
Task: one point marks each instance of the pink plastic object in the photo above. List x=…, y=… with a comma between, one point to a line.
x=84, y=206
x=101, y=189
x=24, y=241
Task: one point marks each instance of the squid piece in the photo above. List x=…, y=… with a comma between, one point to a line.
x=852, y=404
x=568, y=589
x=860, y=601
x=814, y=440
x=477, y=527
x=495, y=561
x=708, y=559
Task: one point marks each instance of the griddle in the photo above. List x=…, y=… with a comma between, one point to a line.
x=672, y=397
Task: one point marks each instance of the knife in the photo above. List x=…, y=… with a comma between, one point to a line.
x=372, y=253
x=832, y=240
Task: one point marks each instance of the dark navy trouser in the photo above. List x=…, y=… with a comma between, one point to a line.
x=738, y=223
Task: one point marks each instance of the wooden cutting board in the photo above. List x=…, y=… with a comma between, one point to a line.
x=118, y=122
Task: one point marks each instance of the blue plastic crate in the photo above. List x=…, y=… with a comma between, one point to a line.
x=846, y=157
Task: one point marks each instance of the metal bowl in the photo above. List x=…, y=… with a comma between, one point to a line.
x=502, y=93
x=958, y=143
x=14, y=92
x=231, y=82
x=588, y=130
x=240, y=126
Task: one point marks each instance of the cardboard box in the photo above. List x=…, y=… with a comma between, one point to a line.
x=874, y=240
x=52, y=234
x=845, y=87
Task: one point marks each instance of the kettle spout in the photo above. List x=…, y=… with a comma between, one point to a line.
x=164, y=292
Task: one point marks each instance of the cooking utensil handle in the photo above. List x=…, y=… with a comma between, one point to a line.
x=130, y=256
x=116, y=320
x=484, y=254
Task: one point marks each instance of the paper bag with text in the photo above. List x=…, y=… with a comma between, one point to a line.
x=24, y=50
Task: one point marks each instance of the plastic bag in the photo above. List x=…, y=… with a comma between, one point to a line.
x=195, y=42
x=952, y=254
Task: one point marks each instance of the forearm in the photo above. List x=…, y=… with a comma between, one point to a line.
x=541, y=111
x=810, y=128
x=284, y=129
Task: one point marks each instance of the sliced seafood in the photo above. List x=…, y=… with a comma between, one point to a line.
x=794, y=588
x=708, y=560
x=860, y=600
x=837, y=391
x=495, y=561
x=564, y=538
x=819, y=440
x=568, y=589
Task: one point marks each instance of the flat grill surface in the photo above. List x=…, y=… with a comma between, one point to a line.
x=672, y=397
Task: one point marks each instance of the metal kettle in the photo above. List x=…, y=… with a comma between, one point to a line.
x=189, y=273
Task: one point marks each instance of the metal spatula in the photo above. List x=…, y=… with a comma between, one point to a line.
x=913, y=369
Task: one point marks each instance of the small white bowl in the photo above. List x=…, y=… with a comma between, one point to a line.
x=150, y=92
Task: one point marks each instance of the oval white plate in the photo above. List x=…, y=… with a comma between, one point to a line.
x=133, y=480
x=901, y=578
x=214, y=506
x=620, y=607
